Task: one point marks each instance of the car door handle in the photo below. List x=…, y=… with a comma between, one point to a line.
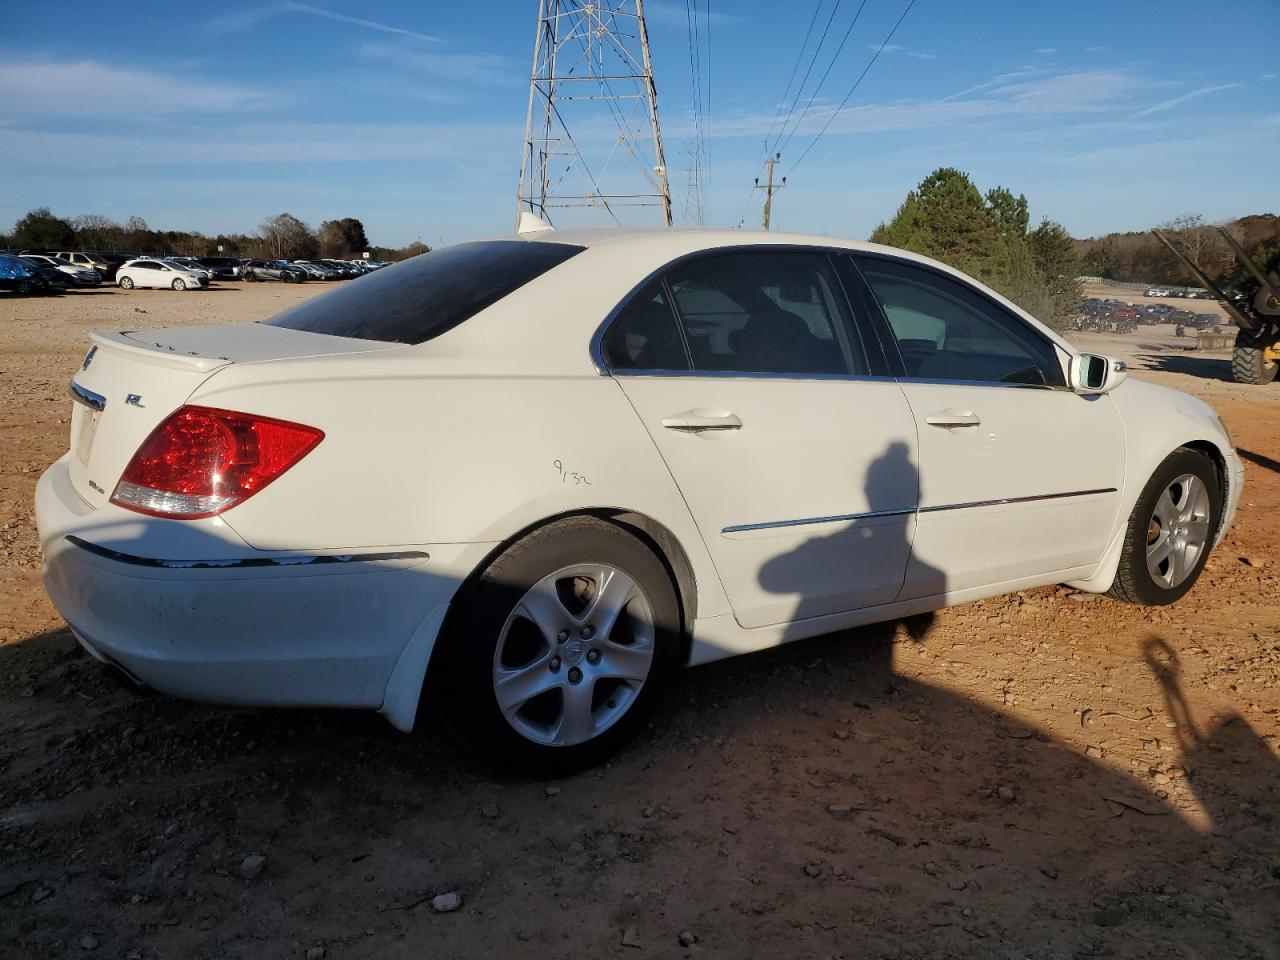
x=953, y=418
x=701, y=420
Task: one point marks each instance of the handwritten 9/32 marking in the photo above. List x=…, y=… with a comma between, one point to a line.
x=567, y=475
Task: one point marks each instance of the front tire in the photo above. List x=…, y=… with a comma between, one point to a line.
x=1170, y=531
x=560, y=650
x=179, y=284
x=1249, y=363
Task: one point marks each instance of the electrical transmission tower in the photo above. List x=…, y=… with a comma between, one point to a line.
x=588, y=52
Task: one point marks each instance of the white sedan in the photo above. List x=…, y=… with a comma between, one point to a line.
x=159, y=273
x=520, y=482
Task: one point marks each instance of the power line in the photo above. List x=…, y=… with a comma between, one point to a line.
x=795, y=68
x=848, y=96
x=751, y=194
x=818, y=88
x=808, y=70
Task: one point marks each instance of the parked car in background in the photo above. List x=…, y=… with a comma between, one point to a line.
x=191, y=265
x=318, y=271
x=657, y=453
x=224, y=268
x=55, y=278
x=273, y=270
x=80, y=276
x=345, y=270
x=105, y=264
x=20, y=277
x=158, y=273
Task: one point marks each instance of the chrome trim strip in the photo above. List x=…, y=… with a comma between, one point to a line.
x=292, y=560
x=996, y=503
x=838, y=377
x=905, y=511
x=809, y=521
x=94, y=401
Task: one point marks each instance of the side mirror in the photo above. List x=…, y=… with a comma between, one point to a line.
x=1095, y=373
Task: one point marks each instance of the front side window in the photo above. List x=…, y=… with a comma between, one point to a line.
x=764, y=312
x=429, y=294
x=946, y=330
x=644, y=334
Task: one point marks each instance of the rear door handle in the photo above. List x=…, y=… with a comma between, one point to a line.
x=953, y=418
x=692, y=420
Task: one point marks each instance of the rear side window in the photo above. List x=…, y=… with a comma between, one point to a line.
x=763, y=312
x=644, y=336
x=427, y=295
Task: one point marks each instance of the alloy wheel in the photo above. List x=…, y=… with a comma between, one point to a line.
x=1178, y=531
x=574, y=654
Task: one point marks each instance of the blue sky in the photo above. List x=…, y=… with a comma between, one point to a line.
x=1107, y=115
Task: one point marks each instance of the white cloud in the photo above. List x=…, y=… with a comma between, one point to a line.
x=246, y=19
x=1178, y=101
x=1018, y=94
x=91, y=89
x=1047, y=51
x=897, y=48
x=676, y=15
x=480, y=69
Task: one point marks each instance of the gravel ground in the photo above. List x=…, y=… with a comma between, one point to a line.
x=1044, y=775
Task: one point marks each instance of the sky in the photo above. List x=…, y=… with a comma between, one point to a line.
x=410, y=115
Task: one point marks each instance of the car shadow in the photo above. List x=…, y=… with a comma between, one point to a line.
x=1205, y=368
x=1260, y=460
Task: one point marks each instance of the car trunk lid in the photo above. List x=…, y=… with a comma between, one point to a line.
x=131, y=380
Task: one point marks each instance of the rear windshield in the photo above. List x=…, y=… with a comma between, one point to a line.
x=423, y=297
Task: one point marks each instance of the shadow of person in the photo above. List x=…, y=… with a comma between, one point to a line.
x=1232, y=771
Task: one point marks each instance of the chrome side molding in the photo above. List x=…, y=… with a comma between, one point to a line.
x=907, y=511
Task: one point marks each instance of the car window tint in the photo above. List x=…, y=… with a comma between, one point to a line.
x=644, y=335
x=947, y=330
x=763, y=312
x=429, y=294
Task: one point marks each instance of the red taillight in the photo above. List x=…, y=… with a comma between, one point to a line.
x=201, y=461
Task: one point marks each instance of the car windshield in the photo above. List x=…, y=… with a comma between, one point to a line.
x=429, y=294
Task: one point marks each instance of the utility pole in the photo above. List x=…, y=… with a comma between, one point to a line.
x=770, y=188
x=588, y=54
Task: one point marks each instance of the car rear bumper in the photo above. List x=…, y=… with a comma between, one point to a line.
x=262, y=629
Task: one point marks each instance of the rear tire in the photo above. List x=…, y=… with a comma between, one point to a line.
x=550, y=698
x=1170, y=531
x=24, y=288
x=1249, y=363
x=126, y=283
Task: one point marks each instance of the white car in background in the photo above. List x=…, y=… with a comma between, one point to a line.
x=523, y=481
x=81, y=276
x=159, y=273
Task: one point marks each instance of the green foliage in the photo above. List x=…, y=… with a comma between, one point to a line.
x=40, y=229
x=342, y=238
x=948, y=219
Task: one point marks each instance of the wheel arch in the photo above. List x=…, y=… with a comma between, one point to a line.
x=655, y=535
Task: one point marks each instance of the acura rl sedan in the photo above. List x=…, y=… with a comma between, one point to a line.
x=518, y=483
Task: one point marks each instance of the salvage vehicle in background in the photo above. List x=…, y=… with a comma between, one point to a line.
x=272, y=270
x=20, y=277
x=582, y=460
x=78, y=275
x=105, y=264
x=223, y=268
x=158, y=273
x=1254, y=309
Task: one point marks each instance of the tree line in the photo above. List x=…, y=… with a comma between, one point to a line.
x=281, y=236
x=1141, y=258
x=988, y=236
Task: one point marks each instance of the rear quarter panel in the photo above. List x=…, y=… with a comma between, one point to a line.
x=413, y=455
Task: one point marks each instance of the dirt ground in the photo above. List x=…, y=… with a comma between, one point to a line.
x=1044, y=775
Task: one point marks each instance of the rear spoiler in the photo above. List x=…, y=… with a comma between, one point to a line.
x=133, y=344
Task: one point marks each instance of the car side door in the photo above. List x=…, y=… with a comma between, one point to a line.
x=795, y=458
x=1019, y=475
